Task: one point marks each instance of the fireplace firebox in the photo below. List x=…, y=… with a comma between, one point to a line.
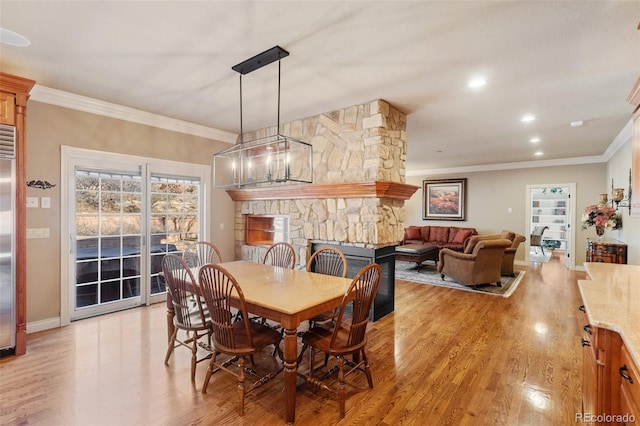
x=357, y=258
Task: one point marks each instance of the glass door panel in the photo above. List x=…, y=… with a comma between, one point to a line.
x=174, y=220
x=108, y=218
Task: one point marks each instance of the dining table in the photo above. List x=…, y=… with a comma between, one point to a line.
x=288, y=297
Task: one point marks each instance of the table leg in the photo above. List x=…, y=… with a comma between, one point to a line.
x=290, y=372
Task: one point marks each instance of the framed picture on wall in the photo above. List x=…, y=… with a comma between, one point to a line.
x=444, y=199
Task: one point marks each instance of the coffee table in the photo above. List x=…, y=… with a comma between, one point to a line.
x=417, y=253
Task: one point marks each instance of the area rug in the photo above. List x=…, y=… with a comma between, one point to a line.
x=427, y=274
x=538, y=257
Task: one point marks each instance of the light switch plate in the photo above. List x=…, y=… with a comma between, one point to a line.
x=35, y=233
x=32, y=202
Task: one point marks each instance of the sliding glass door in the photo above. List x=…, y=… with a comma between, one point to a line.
x=124, y=215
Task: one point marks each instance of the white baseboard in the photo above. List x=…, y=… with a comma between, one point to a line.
x=46, y=324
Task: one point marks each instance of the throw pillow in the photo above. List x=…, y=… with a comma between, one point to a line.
x=439, y=233
x=461, y=235
x=424, y=232
x=413, y=233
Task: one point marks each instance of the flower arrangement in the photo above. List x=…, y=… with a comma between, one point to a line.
x=601, y=217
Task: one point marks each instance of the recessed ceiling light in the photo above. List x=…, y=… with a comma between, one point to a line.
x=12, y=38
x=534, y=140
x=477, y=82
x=538, y=153
x=527, y=118
x=577, y=123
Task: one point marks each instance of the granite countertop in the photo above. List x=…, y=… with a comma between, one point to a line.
x=612, y=301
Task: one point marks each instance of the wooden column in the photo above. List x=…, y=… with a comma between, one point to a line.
x=16, y=89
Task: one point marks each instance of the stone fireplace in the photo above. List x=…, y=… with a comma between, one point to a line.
x=358, y=191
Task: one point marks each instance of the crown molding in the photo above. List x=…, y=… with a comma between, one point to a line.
x=623, y=137
x=511, y=166
x=95, y=106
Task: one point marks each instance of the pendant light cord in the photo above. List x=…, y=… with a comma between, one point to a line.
x=278, y=125
x=241, y=131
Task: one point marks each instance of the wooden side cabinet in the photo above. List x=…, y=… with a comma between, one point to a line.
x=607, y=251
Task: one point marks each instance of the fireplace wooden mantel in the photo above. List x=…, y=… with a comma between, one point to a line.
x=373, y=189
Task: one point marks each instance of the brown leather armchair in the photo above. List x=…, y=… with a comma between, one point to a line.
x=480, y=266
x=509, y=255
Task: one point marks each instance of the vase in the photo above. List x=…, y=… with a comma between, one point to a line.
x=600, y=232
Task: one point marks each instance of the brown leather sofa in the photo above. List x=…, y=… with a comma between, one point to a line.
x=510, y=252
x=451, y=237
x=480, y=266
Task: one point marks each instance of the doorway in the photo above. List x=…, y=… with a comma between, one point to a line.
x=123, y=214
x=550, y=207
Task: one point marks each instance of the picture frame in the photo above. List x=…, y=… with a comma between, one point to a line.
x=444, y=199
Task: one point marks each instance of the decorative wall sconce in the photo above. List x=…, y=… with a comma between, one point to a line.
x=617, y=196
x=263, y=161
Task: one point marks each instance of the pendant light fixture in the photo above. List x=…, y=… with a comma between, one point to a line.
x=276, y=159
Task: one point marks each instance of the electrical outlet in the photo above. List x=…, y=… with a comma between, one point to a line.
x=45, y=202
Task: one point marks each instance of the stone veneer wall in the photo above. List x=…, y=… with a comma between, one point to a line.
x=361, y=143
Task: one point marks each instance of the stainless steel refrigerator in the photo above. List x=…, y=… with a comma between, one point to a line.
x=7, y=240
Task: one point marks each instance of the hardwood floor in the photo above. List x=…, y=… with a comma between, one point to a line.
x=443, y=357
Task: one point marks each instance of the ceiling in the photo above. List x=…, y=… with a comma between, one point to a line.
x=562, y=61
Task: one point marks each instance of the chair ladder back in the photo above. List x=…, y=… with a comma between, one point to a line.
x=178, y=276
x=365, y=286
x=328, y=261
x=280, y=254
x=217, y=286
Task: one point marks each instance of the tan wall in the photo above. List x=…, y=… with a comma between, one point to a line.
x=618, y=170
x=491, y=194
x=48, y=128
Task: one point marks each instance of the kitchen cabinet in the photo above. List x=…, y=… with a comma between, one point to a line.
x=610, y=344
x=601, y=361
x=7, y=108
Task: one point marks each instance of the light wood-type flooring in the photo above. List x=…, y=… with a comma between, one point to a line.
x=443, y=357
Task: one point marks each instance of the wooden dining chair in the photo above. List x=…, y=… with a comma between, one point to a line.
x=189, y=315
x=238, y=339
x=329, y=261
x=280, y=254
x=348, y=337
x=200, y=253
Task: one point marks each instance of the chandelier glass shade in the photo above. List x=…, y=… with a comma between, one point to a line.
x=276, y=159
x=264, y=161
